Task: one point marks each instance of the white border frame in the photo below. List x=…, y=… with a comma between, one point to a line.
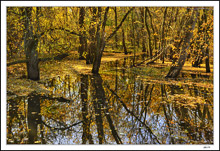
x=4, y=4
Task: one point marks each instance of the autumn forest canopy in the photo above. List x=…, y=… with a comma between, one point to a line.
x=174, y=34
x=110, y=75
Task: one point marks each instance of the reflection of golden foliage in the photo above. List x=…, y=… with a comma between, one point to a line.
x=187, y=100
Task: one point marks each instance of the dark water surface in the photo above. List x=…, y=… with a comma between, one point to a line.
x=122, y=105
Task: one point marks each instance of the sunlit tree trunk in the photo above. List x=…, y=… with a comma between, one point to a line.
x=190, y=25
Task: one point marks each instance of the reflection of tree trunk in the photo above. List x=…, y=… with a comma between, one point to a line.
x=86, y=121
x=98, y=95
x=168, y=119
x=33, y=117
x=130, y=112
x=175, y=70
x=100, y=98
x=13, y=114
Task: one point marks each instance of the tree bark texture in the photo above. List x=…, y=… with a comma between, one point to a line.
x=116, y=23
x=101, y=40
x=149, y=34
x=30, y=46
x=206, y=42
x=123, y=42
x=142, y=29
x=162, y=33
x=92, y=32
x=82, y=40
x=175, y=70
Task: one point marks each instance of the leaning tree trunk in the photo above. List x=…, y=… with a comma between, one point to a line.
x=30, y=46
x=190, y=25
x=101, y=40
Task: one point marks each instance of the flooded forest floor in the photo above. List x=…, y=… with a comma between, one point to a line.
x=18, y=84
x=129, y=102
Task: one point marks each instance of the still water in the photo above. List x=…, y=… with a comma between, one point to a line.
x=122, y=105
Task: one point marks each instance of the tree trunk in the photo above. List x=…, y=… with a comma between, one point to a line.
x=149, y=34
x=154, y=32
x=82, y=39
x=123, y=42
x=98, y=56
x=92, y=46
x=30, y=46
x=162, y=33
x=198, y=59
x=100, y=38
x=143, y=33
x=190, y=25
x=206, y=42
x=132, y=32
x=32, y=57
x=116, y=23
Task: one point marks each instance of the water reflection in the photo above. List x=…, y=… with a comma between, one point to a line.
x=118, y=108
